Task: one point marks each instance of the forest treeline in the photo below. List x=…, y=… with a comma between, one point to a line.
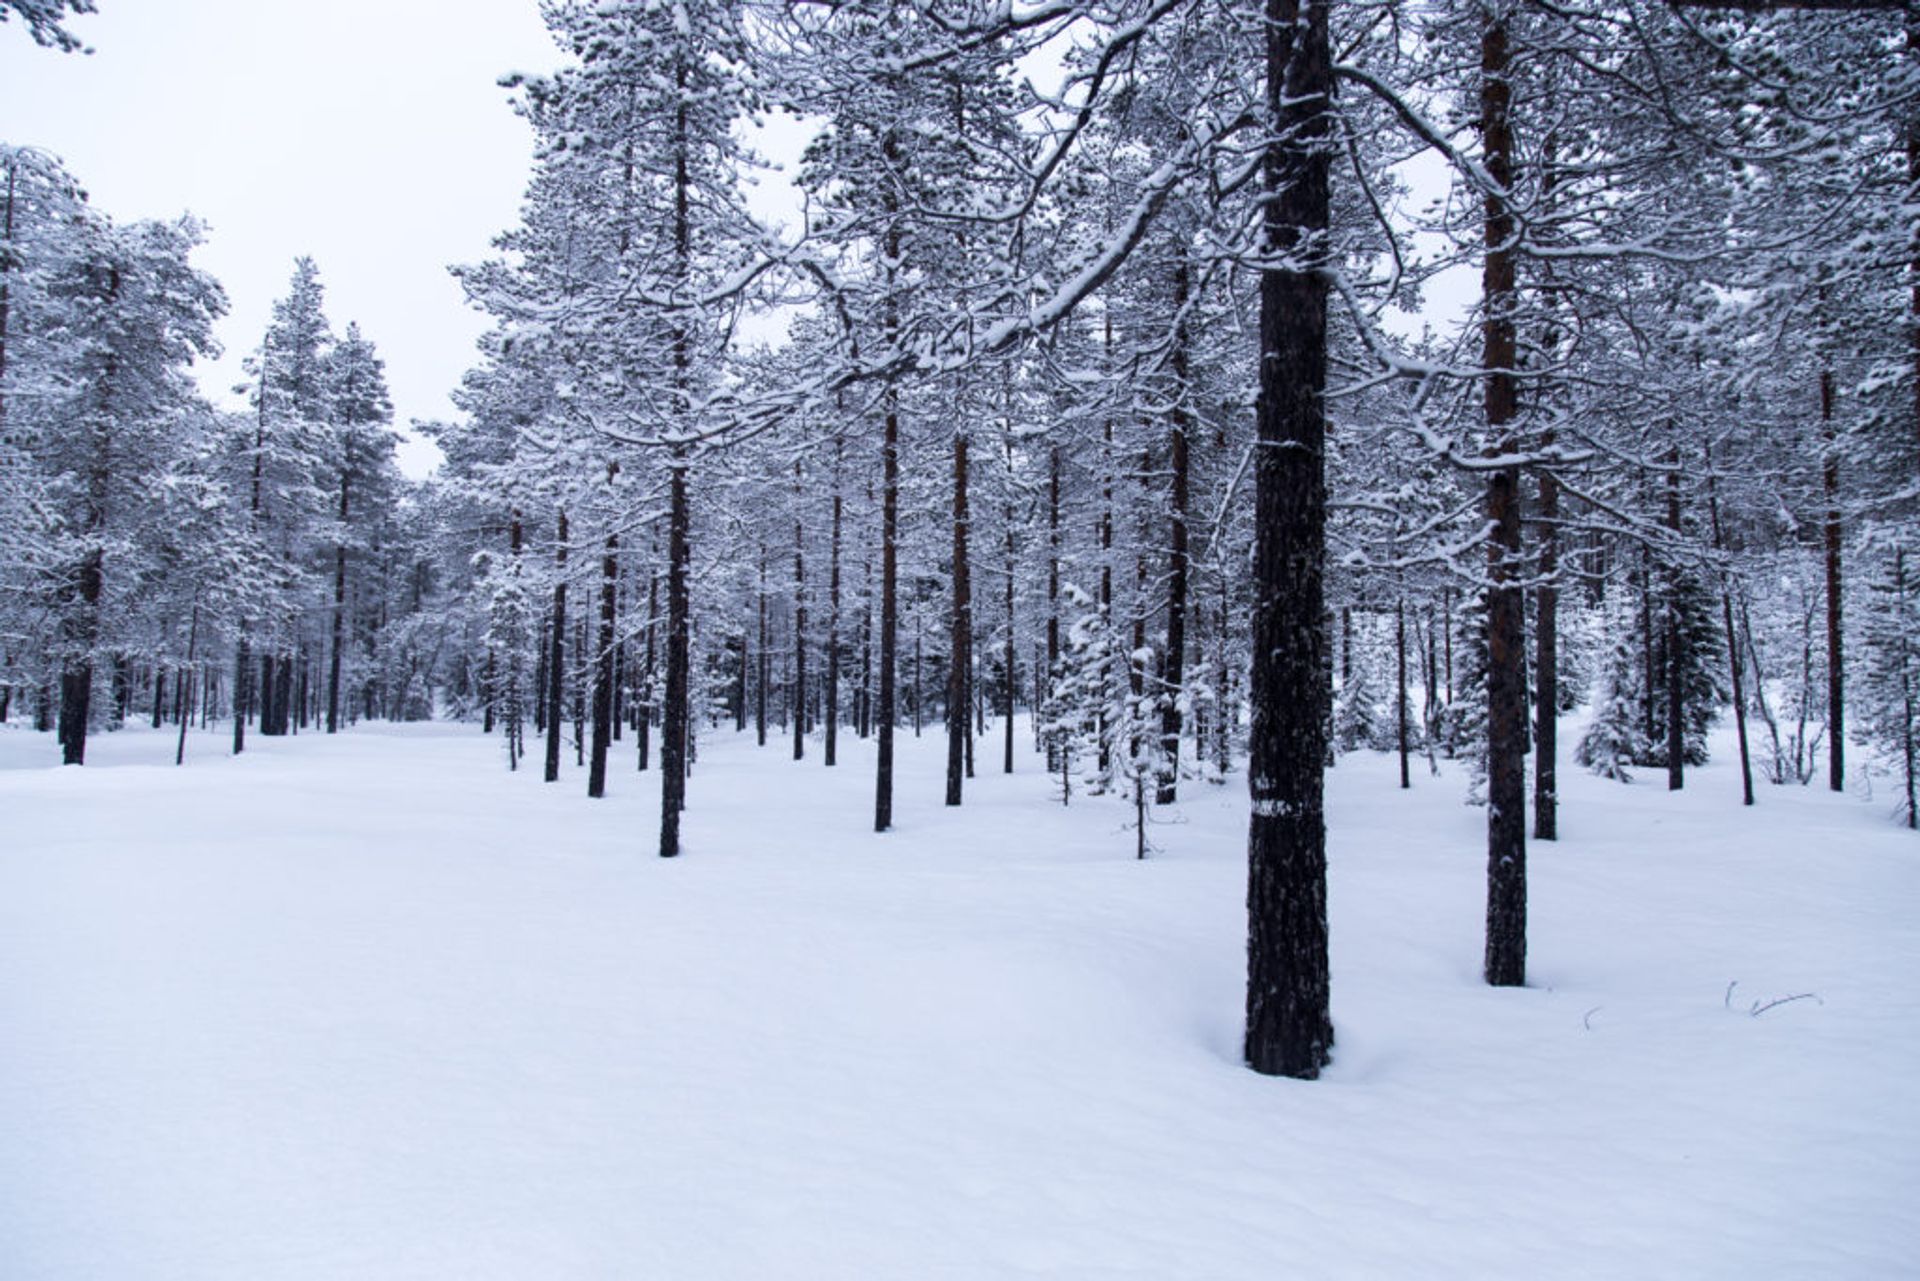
x=1119, y=383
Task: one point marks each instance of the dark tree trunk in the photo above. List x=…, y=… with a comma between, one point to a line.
x=1506, y=952
x=76, y=675
x=889, y=604
x=603, y=677
x=557, y=653
x=283, y=694
x=185, y=684
x=1101, y=735
x=1676, y=665
x=960, y=634
x=242, y=668
x=1737, y=669
x=643, y=722
x=1546, y=665
x=1012, y=682
x=339, y=616
x=1400, y=686
x=1053, y=600
x=1649, y=665
x=1009, y=552
x=740, y=703
x=489, y=681
x=1346, y=645
x=541, y=646
x=831, y=746
x=1836, y=666
x=675, y=728
x=1173, y=664
x=799, y=629
x=1289, y=1026
x=760, y=660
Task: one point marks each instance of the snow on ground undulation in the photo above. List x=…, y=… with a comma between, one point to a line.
x=369, y=1007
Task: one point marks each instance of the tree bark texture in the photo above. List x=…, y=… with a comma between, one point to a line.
x=1506, y=949
x=1289, y=1027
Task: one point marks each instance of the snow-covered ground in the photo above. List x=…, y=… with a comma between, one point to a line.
x=369, y=1007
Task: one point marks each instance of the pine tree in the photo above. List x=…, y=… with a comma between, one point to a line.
x=1889, y=693
x=1357, y=721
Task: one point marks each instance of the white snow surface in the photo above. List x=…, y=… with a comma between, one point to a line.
x=370, y=1007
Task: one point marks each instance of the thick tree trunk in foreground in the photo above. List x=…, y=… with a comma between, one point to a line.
x=1506, y=951
x=1289, y=1025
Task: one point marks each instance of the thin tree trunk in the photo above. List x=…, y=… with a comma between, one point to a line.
x=959, y=713
x=557, y=653
x=889, y=609
x=193, y=638
x=760, y=659
x=603, y=709
x=833, y=616
x=799, y=628
x=242, y=668
x=339, y=614
x=1400, y=685
x=1676, y=661
x=1546, y=663
x=1173, y=662
x=1733, y=642
x=1053, y=597
x=1836, y=666
x=643, y=723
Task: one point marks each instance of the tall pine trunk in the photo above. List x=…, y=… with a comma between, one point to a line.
x=960, y=633
x=557, y=653
x=1836, y=667
x=603, y=672
x=830, y=747
x=1546, y=665
x=1289, y=1025
x=799, y=626
x=1676, y=660
x=674, y=728
x=1737, y=668
x=889, y=604
x=1506, y=950
x=1173, y=664
x=339, y=614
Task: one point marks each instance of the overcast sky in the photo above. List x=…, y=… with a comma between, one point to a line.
x=368, y=133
